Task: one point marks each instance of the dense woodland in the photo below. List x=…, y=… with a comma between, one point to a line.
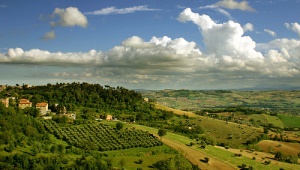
x=90, y=99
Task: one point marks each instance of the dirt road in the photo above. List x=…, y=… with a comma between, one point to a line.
x=195, y=156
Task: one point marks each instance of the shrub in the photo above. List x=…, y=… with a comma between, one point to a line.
x=206, y=159
x=267, y=162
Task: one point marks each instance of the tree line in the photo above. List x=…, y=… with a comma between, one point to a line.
x=91, y=99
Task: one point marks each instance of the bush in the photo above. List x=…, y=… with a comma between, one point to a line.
x=206, y=159
x=119, y=125
x=267, y=162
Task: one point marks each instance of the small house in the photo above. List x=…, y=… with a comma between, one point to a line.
x=23, y=103
x=43, y=107
x=5, y=102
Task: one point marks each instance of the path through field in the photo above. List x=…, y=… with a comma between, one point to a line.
x=191, y=154
x=195, y=156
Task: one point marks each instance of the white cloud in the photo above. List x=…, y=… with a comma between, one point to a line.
x=49, y=35
x=70, y=16
x=134, y=52
x=223, y=39
x=294, y=27
x=248, y=27
x=114, y=10
x=270, y=32
x=232, y=4
x=228, y=59
x=216, y=8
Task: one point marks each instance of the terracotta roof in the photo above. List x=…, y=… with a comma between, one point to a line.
x=24, y=101
x=43, y=104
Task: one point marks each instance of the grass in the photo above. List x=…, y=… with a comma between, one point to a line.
x=219, y=130
x=284, y=147
x=259, y=117
x=287, y=101
x=148, y=155
x=222, y=155
x=229, y=157
x=274, y=120
x=290, y=121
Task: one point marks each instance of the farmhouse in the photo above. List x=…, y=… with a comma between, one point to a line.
x=24, y=103
x=109, y=117
x=43, y=107
x=5, y=101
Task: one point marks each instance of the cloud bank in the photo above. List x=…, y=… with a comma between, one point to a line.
x=228, y=57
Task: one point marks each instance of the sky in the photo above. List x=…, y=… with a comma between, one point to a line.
x=151, y=44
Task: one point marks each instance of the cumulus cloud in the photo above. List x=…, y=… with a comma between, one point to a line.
x=70, y=16
x=248, y=27
x=114, y=10
x=232, y=4
x=228, y=57
x=223, y=39
x=270, y=32
x=49, y=35
x=294, y=27
x=133, y=51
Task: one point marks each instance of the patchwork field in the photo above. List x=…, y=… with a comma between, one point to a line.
x=230, y=134
x=220, y=158
x=277, y=100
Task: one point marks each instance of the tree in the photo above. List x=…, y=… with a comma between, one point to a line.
x=119, y=125
x=279, y=156
x=266, y=130
x=32, y=111
x=206, y=159
x=162, y=132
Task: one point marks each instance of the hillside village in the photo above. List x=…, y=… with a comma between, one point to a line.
x=43, y=107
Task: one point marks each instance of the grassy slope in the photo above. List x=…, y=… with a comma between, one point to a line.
x=259, y=117
x=290, y=121
x=132, y=156
x=274, y=120
x=219, y=155
x=284, y=147
x=220, y=130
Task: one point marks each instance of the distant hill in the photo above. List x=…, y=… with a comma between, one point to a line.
x=272, y=87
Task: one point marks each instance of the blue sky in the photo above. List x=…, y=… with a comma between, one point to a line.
x=153, y=44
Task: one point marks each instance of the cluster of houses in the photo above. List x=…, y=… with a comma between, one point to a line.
x=43, y=107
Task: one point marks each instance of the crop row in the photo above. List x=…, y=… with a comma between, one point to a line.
x=101, y=137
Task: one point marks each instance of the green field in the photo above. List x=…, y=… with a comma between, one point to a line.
x=259, y=117
x=290, y=121
x=220, y=154
x=237, y=161
x=132, y=156
x=274, y=120
x=276, y=100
